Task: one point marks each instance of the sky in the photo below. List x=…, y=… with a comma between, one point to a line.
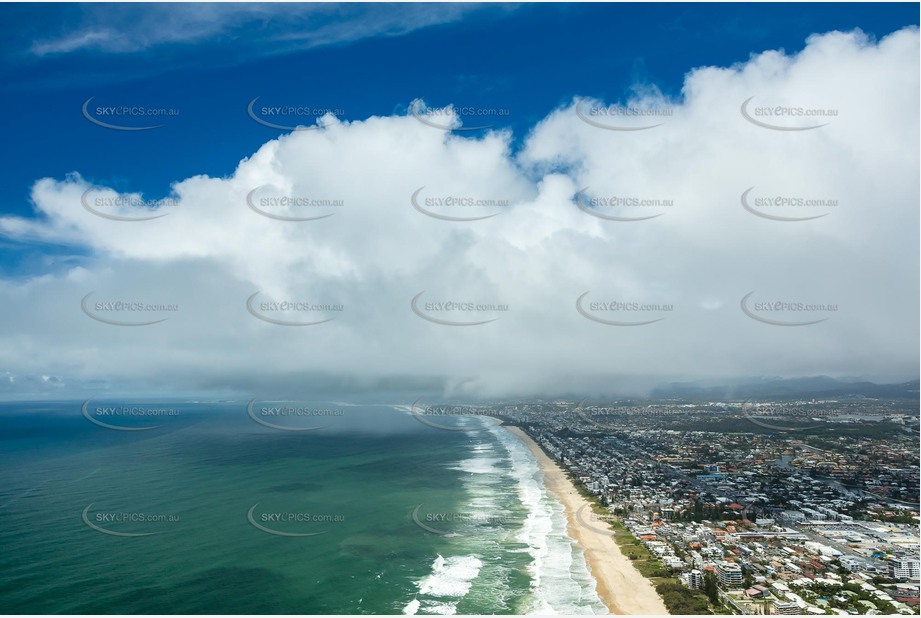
x=472, y=200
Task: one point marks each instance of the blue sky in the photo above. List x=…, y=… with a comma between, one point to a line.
x=528, y=59
x=209, y=61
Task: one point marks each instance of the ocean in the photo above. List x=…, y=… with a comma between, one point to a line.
x=276, y=508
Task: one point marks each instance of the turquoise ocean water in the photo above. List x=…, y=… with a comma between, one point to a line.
x=369, y=512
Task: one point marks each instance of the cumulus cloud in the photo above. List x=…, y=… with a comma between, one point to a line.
x=679, y=248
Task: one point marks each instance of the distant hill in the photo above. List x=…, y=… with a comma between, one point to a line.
x=794, y=388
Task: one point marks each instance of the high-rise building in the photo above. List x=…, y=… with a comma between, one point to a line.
x=903, y=567
x=729, y=575
x=695, y=579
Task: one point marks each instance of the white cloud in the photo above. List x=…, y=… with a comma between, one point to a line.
x=127, y=29
x=377, y=252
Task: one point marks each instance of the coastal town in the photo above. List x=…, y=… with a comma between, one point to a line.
x=796, y=507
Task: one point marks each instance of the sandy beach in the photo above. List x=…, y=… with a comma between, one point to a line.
x=621, y=587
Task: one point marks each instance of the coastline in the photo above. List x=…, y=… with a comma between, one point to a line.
x=620, y=586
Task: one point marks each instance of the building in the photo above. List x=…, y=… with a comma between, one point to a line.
x=695, y=579
x=903, y=568
x=673, y=562
x=855, y=564
x=729, y=575
x=821, y=549
x=786, y=608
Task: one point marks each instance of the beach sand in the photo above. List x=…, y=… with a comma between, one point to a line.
x=620, y=586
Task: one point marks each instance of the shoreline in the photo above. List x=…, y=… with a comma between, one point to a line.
x=623, y=589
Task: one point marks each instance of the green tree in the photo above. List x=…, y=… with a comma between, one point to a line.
x=748, y=579
x=681, y=600
x=710, y=588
